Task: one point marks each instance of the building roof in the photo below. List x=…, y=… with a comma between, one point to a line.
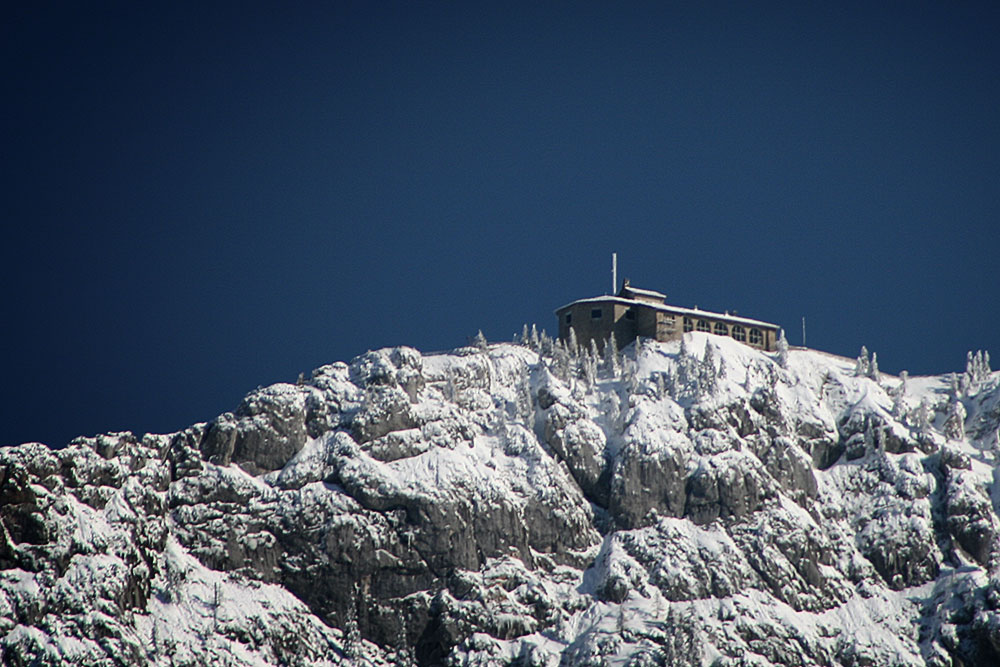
x=643, y=292
x=677, y=310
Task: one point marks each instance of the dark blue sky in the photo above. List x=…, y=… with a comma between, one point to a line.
x=200, y=200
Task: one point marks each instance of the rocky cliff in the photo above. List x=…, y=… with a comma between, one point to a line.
x=699, y=503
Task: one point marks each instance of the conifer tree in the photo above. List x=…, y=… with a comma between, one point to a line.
x=670, y=384
x=706, y=371
x=572, y=346
x=560, y=361
x=525, y=336
x=982, y=366
x=611, y=356
x=534, y=342
x=898, y=405
x=683, y=367
x=630, y=375
x=612, y=409
x=954, y=425
x=953, y=388
x=873, y=367
x=782, y=349
x=525, y=404
x=588, y=363
x=352, y=633
x=977, y=369
x=862, y=367
x=479, y=340
x=922, y=419
x=546, y=344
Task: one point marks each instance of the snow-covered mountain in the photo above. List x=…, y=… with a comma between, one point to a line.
x=693, y=503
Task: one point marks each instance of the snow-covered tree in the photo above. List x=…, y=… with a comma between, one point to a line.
x=706, y=371
x=673, y=382
x=630, y=375
x=560, y=361
x=977, y=370
x=572, y=347
x=898, y=404
x=352, y=633
x=533, y=341
x=863, y=366
x=479, y=340
x=686, y=368
x=659, y=385
x=525, y=404
x=782, y=349
x=873, y=372
x=525, y=336
x=954, y=391
x=954, y=425
x=545, y=344
x=922, y=417
x=612, y=408
x=611, y=357
x=588, y=366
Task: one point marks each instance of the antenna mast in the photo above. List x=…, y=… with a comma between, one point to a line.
x=614, y=273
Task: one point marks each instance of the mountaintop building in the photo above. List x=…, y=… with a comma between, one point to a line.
x=635, y=312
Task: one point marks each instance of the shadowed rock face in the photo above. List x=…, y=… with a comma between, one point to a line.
x=502, y=506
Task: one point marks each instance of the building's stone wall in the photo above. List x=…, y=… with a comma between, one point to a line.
x=613, y=319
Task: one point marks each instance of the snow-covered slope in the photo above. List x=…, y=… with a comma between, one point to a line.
x=695, y=503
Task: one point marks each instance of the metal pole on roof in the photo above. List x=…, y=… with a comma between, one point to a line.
x=614, y=273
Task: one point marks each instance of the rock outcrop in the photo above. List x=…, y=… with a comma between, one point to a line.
x=698, y=504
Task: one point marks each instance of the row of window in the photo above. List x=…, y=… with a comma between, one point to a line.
x=738, y=332
x=596, y=314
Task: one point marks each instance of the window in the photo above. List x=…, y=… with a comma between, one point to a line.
x=704, y=326
x=688, y=324
x=629, y=314
x=595, y=313
x=569, y=318
x=721, y=329
x=739, y=333
x=755, y=337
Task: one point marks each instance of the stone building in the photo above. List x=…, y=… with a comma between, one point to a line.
x=637, y=312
